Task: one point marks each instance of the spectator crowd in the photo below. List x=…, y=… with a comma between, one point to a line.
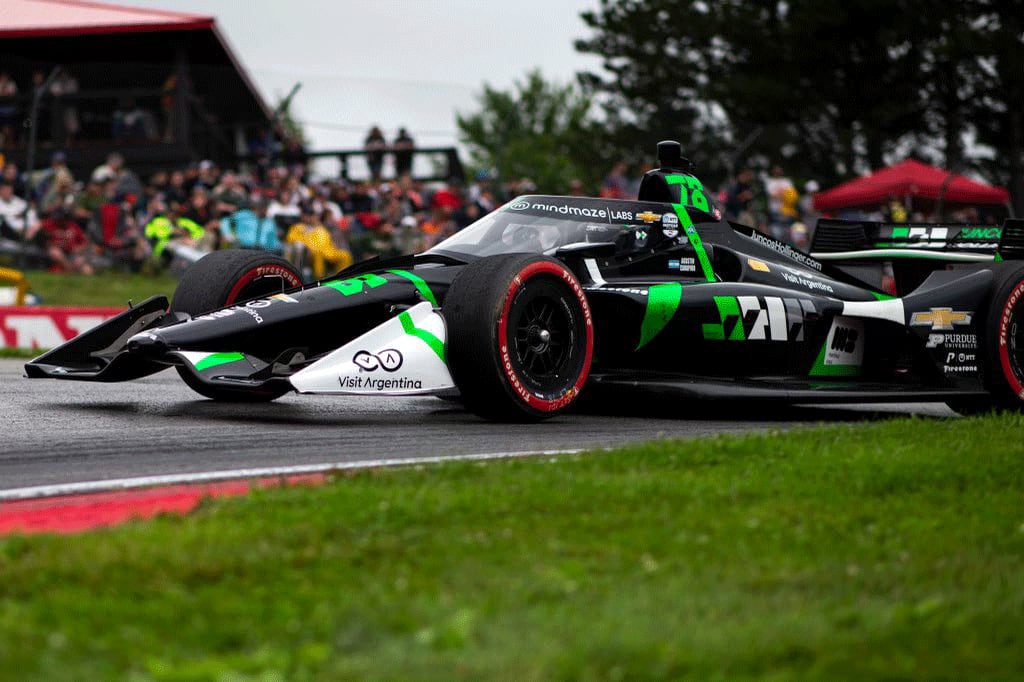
x=112, y=218
x=770, y=202
x=777, y=206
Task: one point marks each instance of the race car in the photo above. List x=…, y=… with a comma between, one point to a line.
x=549, y=297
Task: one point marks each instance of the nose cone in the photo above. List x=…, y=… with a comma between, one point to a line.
x=147, y=343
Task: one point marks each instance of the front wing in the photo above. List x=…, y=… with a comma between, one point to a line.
x=405, y=355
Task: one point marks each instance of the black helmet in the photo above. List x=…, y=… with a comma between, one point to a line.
x=674, y=182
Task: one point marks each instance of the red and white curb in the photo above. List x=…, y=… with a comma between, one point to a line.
x=75, y=507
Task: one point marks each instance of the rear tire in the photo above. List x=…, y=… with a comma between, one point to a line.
x=223, y=278
x=1002, y=344
x=520, y=337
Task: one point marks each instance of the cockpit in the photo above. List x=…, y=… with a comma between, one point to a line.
x=544, y=224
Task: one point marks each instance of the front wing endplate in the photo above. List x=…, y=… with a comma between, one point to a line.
x=403, y=356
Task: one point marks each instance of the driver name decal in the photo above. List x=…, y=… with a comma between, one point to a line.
x=785, y=250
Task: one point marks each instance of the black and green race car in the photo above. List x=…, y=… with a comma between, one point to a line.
x=552, y=296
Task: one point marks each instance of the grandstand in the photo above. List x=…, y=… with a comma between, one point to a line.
x=162, y=88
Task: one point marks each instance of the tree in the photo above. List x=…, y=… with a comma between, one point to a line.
x=659, y=69
x=538, y=129
x=999, y=26
x=828, y=87
x=821, y=82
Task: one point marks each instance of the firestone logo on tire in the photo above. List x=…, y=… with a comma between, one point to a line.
x=281, y=272
x=1004, y=327
x=1004, y=323
x=506, y=360
x=578, y=290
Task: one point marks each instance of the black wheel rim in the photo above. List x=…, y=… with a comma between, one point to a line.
x=542, y=334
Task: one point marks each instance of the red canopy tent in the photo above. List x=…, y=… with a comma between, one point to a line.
x=909, y=179
x=34, y=18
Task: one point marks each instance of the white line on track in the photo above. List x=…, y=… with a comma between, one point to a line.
x=115, y=484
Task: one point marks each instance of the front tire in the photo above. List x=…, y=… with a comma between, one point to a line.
x=520, y=337
x=221, y=279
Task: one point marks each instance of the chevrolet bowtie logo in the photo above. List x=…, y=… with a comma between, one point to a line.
x=648, y=217
x=941, y=319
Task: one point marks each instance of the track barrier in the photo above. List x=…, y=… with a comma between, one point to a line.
x=47, y=327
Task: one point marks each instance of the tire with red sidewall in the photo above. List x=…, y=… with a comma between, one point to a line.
x=1003, y=339
x=520, y=337
x=223, y=278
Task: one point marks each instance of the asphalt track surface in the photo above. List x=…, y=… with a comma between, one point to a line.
x=57, y=432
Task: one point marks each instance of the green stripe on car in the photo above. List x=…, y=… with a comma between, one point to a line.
x=691, y=193
x=356, y=285
x=217, y=359
x=662, y=303
x=728, y=307
x=419, y=283
x=410, y=328
x=820, y=369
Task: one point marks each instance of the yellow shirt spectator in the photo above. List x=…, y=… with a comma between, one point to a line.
x=790, y=197
x=320, y=246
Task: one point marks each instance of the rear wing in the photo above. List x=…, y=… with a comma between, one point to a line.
x=1011, y=242
x=863, y=241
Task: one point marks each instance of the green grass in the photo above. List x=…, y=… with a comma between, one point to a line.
x=20, y=353
x=101, y=289
x=889, y=550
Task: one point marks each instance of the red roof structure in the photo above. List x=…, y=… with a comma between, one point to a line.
x=28, y=18
x=912, y=179
x=175, y=67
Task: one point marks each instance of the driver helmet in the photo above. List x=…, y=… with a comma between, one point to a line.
x=656, y=187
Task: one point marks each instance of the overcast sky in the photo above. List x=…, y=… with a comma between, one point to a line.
x=393, y=62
